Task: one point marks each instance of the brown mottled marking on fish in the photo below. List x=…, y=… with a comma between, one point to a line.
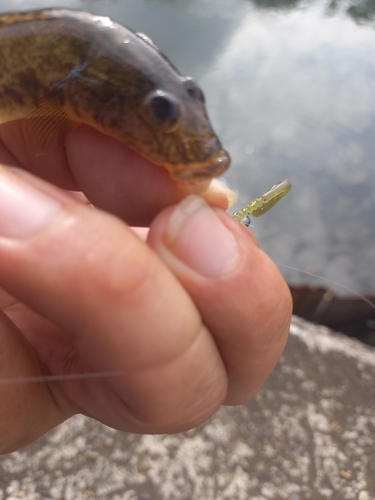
x=62, y=68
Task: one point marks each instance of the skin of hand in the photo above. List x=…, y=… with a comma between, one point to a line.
x=194, y=317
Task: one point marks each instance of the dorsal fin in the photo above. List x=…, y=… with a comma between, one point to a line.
x=48, y=126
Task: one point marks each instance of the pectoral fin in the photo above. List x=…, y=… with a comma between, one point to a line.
x=48, y=126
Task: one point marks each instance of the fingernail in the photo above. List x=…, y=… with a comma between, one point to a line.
x=24, y=210
x=197, y=237
x=217, y=188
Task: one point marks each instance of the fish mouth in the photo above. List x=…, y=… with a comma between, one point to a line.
x=203, y=171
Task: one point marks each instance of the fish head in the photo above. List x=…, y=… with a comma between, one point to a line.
x=178, y=121
x=143, y=101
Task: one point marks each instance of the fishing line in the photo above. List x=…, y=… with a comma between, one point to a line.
x=55, y=378
x=332, y=282
x=257, y=207
x=80, y=376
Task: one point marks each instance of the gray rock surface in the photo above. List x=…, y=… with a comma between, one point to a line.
x=309, y=434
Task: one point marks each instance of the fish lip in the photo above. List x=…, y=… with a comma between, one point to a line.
x=207, y=170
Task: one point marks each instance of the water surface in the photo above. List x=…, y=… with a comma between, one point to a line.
x=290, y=90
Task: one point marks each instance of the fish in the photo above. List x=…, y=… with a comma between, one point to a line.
x=60, y=68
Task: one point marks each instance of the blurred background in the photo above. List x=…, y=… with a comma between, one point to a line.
x=290, y=88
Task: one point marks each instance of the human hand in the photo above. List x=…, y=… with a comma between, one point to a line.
x=148, y=338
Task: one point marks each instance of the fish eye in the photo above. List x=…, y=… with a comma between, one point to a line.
x=194, y=90
x=163, y=109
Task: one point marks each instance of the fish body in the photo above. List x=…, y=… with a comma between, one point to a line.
x=60, y=68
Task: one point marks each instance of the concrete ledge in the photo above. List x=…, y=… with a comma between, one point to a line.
x=309, y=434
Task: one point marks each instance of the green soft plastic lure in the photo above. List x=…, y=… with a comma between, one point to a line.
x=264, y=203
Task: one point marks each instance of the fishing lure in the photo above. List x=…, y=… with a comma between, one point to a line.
x=264, y=203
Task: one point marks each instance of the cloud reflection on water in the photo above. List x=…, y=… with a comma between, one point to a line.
x=299, y=87
x=293, y=80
